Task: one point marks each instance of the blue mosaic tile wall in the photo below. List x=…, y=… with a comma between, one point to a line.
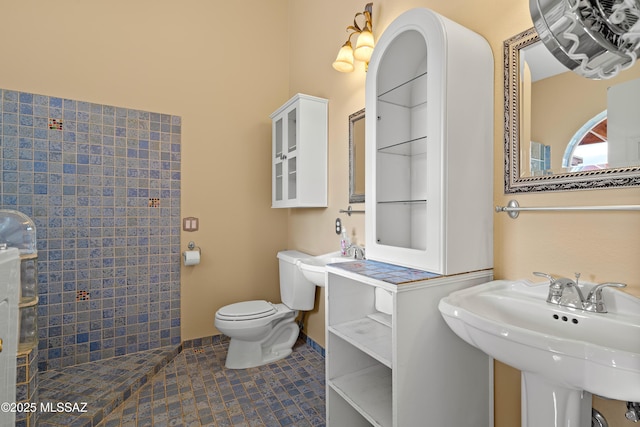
x=102, y=185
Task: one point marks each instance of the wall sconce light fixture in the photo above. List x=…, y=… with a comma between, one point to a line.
x=364, y=43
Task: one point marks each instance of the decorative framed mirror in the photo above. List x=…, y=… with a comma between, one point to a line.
x=564, y=132
x=356, y=157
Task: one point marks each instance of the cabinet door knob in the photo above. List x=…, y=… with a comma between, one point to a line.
x=0, y=345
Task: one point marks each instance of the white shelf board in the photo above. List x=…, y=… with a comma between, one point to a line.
x=368, y=335
x=369, y=392
x=385, y=319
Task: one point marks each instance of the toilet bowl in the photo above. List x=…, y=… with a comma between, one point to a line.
x=262, y=332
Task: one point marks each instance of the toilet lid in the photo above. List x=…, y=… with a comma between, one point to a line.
x=247, y=310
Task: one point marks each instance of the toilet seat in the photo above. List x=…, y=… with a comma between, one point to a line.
x=246, y=310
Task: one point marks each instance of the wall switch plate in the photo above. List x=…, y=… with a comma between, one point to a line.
x=190, y=223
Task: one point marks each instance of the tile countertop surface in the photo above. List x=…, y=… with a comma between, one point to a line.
x=390, y=273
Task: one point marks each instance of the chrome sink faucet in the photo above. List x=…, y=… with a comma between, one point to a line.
x=594, y=301
x=557, y=287
x=358, y=251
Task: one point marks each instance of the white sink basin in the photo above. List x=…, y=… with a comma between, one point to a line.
x=314, y=268
x=558, y=349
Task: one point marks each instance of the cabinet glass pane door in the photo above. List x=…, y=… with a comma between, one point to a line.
x=401, y=158
x=291, y=130
x=286, y=157
x=292, y=151
x=292, y=178
x=279, y=182
x=278, y=139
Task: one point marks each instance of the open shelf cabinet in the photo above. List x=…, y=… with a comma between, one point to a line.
x=406, y=367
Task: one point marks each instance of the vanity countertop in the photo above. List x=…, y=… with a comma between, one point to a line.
x=390, y=273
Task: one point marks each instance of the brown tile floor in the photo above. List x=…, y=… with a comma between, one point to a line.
x=195, y=389
x=102, y=385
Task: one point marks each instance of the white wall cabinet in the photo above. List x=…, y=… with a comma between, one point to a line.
x=429, y=139
x=299, y=160
x=401, y=366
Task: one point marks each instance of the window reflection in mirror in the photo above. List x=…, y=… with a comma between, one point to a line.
x=589, y=148
x=356, y=157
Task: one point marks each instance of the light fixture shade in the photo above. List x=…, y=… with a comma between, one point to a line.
x=364, y=46
x=344, y=61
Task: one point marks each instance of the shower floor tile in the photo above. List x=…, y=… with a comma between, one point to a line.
x=101, y=385
x=195, y=389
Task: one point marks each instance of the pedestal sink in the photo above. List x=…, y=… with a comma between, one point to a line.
x=565, y=354
x=314, y=268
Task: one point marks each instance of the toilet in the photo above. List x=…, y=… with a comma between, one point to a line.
x=262, y=332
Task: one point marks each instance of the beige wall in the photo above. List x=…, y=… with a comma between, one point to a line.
x=224, y=67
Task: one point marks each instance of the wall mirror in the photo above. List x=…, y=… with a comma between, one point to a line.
x=356, y=157
x=563, y=131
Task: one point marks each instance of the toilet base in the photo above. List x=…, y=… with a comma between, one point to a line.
x=277, y=345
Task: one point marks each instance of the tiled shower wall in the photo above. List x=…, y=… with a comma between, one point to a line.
x=102, y=185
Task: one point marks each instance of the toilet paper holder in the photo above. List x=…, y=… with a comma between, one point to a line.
x=192, y=245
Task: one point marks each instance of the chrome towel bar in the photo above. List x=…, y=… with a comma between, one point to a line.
x=350, y=211
x=513, y=208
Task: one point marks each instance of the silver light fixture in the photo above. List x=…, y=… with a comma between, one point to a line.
x=594, y=38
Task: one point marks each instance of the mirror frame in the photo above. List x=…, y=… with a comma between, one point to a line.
x=513, y=181
x=353, y=196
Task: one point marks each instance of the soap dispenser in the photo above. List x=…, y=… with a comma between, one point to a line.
x=344, y=243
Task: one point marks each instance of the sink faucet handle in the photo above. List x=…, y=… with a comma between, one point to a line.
x=548, y=276
x=556, y=287
x=596, y=291
x=595, y=300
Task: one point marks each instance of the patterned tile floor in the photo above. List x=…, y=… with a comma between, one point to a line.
x=102, y=385
x=195, y=389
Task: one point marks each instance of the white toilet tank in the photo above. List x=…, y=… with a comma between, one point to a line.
x=296, y=292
